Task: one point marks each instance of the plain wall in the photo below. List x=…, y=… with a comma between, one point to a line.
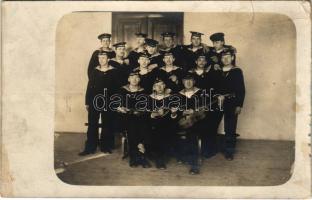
x=76, y=39
x=266, y=53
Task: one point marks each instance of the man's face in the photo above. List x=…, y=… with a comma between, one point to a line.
x=120, y=51
x=151, y=50
x=168, y=41
x=188, y=83
x=143, y=61
x=159, y=87
x=227, y=59
x=195, y=41
x=140, y=41
x=134, y=80
x=103, y=60
x=105, y=42
x=168, y=60
x=218, y=44
x=201, y=62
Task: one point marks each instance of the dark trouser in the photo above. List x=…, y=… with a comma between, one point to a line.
x=137, y=133
x=193, y=154
x=230, y=124
x=208, y=133
x=107, y=137
x=161, y=137
x=187, y=147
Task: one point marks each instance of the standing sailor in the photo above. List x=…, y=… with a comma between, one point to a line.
x=120, y=62
x=170, y=73
x=147, y=73
x=103, y=81
x=105, y=39
x=156, y=60
x=192, y=51
x=215, y=52
x=134, y=54
x=169, y=46
x=233, y=82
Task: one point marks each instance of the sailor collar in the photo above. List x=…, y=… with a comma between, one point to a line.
x=154, y=55
x=173, y=68
x=114, y=59
x=107, y=50
x=159, y=97
x=137, y=50
x=227, y=69
x=191, y=48
x=108, y=69
x=204, y=71
x=189, y=94
x=140, y=70
x=168, y=48
x=126, y=87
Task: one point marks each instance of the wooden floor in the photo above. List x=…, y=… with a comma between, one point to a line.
x=257, y=163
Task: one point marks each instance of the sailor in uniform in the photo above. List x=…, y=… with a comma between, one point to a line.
x=146, y=72
x=105, y=39
x=134, y=54
x=215, y=52
x=169, y=46
x=120, y=62
x=233, y=82
x=170, y=73
x=103, y=81
x=156, y=59
x=194, y=49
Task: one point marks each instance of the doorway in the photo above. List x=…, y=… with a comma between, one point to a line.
x=125, y=25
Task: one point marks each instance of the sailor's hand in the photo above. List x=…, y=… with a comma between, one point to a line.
x=173, y=78
x=122, y=109
x=188, y=112
x=126, y=61
x=238, y=110
x=152, y=66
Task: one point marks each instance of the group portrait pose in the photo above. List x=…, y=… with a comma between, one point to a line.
x=166, y=99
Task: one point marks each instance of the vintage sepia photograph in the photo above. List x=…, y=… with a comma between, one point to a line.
x=156, y=99
x=175, y=99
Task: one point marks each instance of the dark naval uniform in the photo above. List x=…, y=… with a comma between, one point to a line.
x=214, y=56
x=172, y=79
x=134, y=56
x=156, y=59
x=99, y=81
x=177, y=52
x=147, y=78
x=233, y=82
x=135, y=53
x=94, y=60
x=191, y=55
